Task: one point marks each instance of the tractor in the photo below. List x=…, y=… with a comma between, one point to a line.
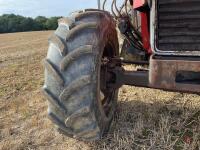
x=84, y=67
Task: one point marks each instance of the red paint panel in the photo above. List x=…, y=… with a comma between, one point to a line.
x=145, y=32
x=138, y=3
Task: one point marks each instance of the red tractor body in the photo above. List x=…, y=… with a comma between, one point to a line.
x=170, y=38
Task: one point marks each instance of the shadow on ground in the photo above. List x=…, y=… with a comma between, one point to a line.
x=140, y=125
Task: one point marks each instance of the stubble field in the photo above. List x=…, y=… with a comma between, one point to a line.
x=146, y=119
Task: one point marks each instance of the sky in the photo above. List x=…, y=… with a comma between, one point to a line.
x=48, y=8
x=33, y=8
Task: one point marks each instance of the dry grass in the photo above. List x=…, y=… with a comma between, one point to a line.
x=146, y=119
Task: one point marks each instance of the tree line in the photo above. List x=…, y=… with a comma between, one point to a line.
x=10, y=23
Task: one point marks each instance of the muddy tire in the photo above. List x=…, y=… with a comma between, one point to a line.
x=74, y=78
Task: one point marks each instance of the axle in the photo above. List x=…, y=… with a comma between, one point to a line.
x=136, y=78
x=179, y=74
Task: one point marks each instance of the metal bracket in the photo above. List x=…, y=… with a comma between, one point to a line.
x=99, y=4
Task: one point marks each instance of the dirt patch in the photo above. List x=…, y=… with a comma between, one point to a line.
x=145, y=118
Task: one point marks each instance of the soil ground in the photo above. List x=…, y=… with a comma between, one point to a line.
x=146, y=119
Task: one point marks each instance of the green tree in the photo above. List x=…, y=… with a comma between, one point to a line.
x=41, y=21
x=16, y=23
x=52, y=23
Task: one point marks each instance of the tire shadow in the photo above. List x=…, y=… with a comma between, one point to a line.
x=155, y=125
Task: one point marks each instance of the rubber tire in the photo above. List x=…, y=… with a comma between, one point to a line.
x=72, y=74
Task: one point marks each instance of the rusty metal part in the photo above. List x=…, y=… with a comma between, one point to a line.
x=175, y=74
x=181, y=74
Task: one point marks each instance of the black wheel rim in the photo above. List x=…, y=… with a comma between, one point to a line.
x=107, y=94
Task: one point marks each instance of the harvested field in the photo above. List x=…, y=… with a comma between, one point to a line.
x=146, y=119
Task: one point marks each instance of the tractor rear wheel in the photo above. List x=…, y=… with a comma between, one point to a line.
x=80, y=103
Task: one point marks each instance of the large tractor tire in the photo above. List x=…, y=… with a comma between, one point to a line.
x=80, y=103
